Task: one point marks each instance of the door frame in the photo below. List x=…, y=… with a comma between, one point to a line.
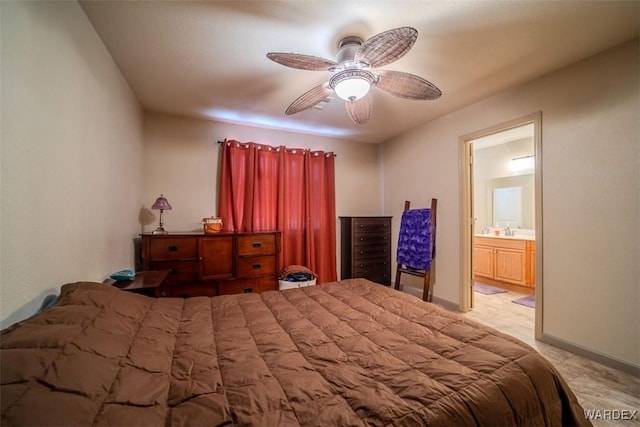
x=467, y=215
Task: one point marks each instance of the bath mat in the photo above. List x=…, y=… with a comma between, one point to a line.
x=528, y=301
x=486, y=289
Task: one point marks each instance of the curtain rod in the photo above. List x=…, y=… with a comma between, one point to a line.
x=222, y=142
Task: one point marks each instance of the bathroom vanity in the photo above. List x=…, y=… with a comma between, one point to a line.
x=504, y=260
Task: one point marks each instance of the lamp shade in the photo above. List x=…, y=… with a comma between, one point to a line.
x=352, y=89
x=352, y=85
x=161, y=203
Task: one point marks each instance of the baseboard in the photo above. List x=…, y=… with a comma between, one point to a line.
x=452, y=306
x=612, y=362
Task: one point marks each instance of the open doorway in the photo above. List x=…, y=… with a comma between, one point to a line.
x=501, y=218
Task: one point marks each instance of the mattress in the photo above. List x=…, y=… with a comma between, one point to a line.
x=348, y=353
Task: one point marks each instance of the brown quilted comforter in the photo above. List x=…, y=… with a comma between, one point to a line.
x=348, y=353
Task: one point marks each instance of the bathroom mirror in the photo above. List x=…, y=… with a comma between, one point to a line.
x=511, y=201
x=507, y=207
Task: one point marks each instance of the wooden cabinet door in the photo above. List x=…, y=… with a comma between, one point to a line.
x=510, y=265
x=216, y=257
x=483, y=261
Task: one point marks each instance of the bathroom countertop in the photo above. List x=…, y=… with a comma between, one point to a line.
x=502, y=236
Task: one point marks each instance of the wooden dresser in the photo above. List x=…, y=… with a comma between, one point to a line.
x=213, y=264
x=365, y=248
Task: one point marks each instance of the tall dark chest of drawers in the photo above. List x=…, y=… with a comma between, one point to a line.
x=365, y=248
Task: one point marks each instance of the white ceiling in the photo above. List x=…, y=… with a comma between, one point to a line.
x=208, y=59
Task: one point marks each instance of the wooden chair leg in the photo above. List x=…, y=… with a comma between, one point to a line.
x=426, y=286
x=398, y=272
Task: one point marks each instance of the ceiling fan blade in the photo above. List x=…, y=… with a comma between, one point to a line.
x=384, y=48
x=407, y=85
x=309, y=99
x=301, y=62
x=359, y=111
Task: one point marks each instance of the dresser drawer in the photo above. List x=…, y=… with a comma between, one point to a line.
x=363, y=268
x=257, y=244
x=179, y=271
x=371, y=225
x=173, y=248
x=256, y=266
x=366, y=239
x=262, y=284
x=381, y=277
x=373, y=251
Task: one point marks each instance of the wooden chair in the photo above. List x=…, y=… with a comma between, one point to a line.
x=427, y=274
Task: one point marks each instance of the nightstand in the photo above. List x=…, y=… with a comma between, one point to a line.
x=148, y=283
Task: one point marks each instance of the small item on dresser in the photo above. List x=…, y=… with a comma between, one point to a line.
x=212, y=225
x=123, y=275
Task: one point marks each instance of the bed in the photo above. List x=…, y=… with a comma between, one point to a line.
x=347, y=353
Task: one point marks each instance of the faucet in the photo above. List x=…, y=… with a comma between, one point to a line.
x=508, y=232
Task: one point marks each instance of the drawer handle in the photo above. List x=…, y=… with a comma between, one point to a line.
x=361, y=225
x=248, y=290
x=361, y=252
x=172, y=248
x=257, y=244
x=173, y=271
x=256, y=266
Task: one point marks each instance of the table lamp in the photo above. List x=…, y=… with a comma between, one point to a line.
x=162, y=204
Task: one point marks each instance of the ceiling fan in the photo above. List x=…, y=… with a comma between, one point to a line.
x=353, y=76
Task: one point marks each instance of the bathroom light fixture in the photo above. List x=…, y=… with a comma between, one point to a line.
x=521, y=164
x=162, y=204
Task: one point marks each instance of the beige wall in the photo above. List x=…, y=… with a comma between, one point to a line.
x=591, y=195
x=71, y=156
x=181, y=162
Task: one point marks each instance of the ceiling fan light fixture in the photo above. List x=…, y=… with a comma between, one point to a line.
x=352, y=85
x=351, y=79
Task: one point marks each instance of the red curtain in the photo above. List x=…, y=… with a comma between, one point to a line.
x=264, y=188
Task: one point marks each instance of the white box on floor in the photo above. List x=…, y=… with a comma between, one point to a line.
x=284, y=284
